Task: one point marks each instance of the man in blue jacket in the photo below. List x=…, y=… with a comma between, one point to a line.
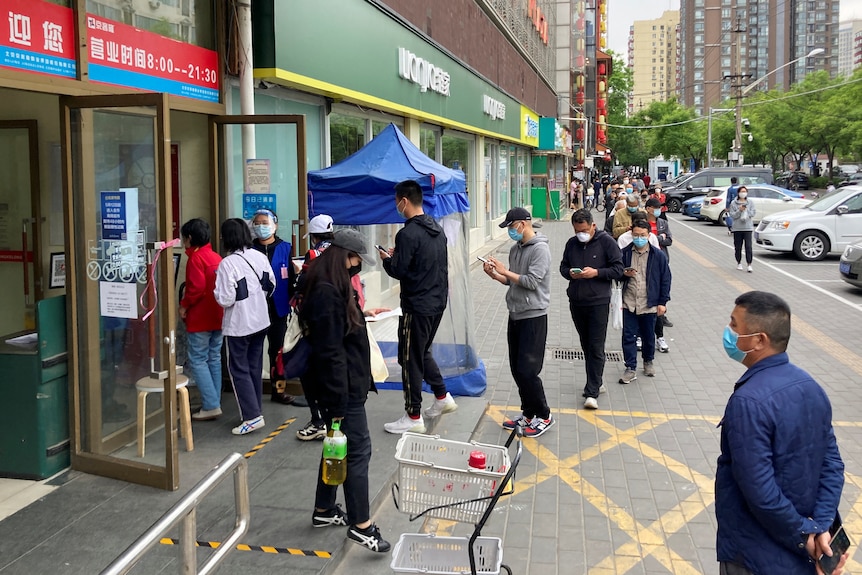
x=779, y=476
x=591, y=261
x=420, y=262
x=646, y=291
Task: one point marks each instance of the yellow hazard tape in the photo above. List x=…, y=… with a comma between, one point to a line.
x=269, y=438
x=261, y=548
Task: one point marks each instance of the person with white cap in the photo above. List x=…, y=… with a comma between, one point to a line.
x=264, y=226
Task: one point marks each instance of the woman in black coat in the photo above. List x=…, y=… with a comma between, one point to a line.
x=339, y=372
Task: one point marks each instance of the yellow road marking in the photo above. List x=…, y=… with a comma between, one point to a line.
x=261, y=548
x=251, y=452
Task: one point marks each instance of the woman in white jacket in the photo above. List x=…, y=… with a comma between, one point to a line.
x=243, y=282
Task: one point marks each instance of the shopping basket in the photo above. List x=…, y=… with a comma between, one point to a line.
x=434, y=477
x=427, y=553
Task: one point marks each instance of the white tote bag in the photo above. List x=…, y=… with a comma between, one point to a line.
x=379, y=370
x=617, y=305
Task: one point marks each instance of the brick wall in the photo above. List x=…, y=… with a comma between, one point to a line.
x=466, y=31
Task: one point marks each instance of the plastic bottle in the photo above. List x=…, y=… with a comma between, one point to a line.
x=334, y=455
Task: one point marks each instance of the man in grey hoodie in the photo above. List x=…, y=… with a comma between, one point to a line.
x=529, y=281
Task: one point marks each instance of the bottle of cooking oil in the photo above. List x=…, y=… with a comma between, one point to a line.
x=334, y=455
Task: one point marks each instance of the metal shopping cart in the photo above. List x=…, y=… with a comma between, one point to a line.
x=435, y=480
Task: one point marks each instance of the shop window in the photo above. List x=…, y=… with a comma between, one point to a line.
x=457, y=154
x=346, y=135
x=428, y=138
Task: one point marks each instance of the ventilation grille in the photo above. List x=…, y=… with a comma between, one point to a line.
x=571, y=354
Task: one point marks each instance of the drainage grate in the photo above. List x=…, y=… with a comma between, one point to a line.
x=568, y=354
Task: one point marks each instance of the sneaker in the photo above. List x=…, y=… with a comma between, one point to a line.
x=248, y=426
x=603, y=389
x=539, y=426
x=739, y=267
x=629, y=376
x=206, y=414
x=639, y=343
x=662, y=345
x=332, y=518
x=311, y=431
x=369, y=538
x=523, y=422
x=749, y=269
x=667, y=322
x=591, y=403
x=441, y=406
x=405, y=423
x=649, y=369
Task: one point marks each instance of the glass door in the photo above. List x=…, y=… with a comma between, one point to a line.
x=120, y=287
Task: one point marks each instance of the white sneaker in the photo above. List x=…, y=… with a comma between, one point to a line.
x=248, y=426
x=662, y=345
x=405, y=423
x=206, y=414
x=639, y=343
x=739, y=267
x=749, y=269
x=603, y=389
x=441, y=406
x=591, y=403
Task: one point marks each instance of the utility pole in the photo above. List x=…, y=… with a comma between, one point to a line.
x=736, y=83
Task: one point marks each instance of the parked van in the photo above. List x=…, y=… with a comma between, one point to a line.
x=701, y=182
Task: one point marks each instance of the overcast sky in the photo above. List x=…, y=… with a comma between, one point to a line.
x=623, y=13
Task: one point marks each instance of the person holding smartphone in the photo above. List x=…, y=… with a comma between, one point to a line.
x=780, y=474
x=742, y=212
x=529, y=281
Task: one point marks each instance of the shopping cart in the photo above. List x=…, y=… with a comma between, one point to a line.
x=435, y=480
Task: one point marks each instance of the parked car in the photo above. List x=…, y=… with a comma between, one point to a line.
x=793, y=180
x=708, y=178
x=767, y=201
x=828, y=224
x=691, y=207
x=851, y=180
x=850, y=266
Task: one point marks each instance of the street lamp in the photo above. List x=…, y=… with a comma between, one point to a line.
x=737, y=141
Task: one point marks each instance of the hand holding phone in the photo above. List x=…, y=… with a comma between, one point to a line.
x=839, y=545
x=383, y=251
x=483, y=260
x=575, y=270
x=631, y=270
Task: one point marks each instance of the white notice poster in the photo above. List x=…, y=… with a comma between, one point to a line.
x=118, y=299
x=257, y=176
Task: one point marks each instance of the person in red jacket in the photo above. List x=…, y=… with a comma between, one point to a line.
x=203, y=316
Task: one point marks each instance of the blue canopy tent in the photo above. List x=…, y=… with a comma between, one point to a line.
x=359, y=191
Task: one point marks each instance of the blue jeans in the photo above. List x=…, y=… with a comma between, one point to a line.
x=204, y=361
x=635, y=325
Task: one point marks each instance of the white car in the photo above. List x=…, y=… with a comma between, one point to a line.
x=828, y=224
x=767, y=199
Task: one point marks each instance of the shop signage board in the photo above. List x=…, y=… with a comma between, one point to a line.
x=38, y=37
x=127, y=56
x=254, y=202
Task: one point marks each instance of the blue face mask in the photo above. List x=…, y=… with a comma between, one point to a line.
x=640, y=242
x=513, y=233
x=632, y=209
x=730, y=340
x=657, y=212
x=264, y=232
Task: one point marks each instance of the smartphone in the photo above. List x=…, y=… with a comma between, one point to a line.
x=631, y=269
x=483, y=260
x=839, y=545
x=575, y=270
x=381, y=248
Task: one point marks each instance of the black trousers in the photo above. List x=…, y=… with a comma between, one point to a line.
x=415, y=336
x=738, y=239
x=355, y=427
x=726, y=568
x=592, y=325
x=527, y=339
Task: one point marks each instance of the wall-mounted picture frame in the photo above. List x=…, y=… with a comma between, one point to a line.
x=58, y=271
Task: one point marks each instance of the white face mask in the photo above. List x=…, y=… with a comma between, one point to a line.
x=742, y=195
x=583, y=237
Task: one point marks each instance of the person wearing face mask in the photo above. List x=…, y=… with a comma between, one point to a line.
x=742, y=212
x=529, y=281
x=646, y=291
x=591, y=262
x=339, y=373
x=623, y=218
x=264, y=226
x=420, y=262
x=780, y=475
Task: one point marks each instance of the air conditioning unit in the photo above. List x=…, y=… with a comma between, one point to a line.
x=155, y=4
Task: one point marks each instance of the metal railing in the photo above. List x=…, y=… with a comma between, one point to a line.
x=184, y=511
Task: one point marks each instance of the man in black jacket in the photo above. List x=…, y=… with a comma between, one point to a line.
x=419, y=261
x=591, y=261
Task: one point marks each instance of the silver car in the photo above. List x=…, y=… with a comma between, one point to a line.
x=850, y=266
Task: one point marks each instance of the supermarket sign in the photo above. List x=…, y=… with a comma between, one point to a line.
x=38, y=37
x=123, y=55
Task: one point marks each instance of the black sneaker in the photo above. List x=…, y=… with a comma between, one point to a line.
x=333, y=518
x=310, y=431
x=369, y=537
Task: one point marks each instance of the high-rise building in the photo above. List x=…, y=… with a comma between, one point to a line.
x=769, y=34
x=849, y=47
x=652, y=58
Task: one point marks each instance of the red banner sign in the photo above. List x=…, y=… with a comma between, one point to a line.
x=37, y=37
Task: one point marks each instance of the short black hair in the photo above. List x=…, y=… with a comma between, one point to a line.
x=653, y=203
x=197, y=231
x=733, y=179
x=411, y=190
x=235, y=235
x=766, y=312
x=640, y=223
x=321, y=237
x=582, y=216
